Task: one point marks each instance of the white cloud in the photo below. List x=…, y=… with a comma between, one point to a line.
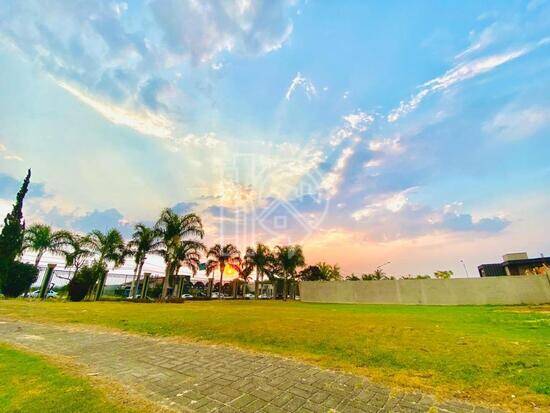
x=460, y=73
x=125, y=59
x=373, y=163
x=141, y=121
x=13, y=158
x=331, y=181
x=480, y=41
x=386, y=145
x=359, y=121
x=518, y=123
x=394, y=203
x=356, y=122
x=8, y=156
x=300, y=81
x=203, y=29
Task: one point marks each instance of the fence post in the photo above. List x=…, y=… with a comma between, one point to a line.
x=145, y=285
x=46, y=281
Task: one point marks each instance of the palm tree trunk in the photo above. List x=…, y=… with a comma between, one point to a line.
x=38, y=258
x=165, y=283
x=210, y=286
x=222, y=269
x=285, y=287
x=176, y=291
x=256, y=284
x=132, y=287
x=137, y=280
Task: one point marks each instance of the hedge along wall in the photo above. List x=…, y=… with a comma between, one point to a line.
x=531, y=289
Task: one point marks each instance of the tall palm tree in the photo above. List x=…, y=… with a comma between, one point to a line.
x=211, y=266
x=290, y=257
x=41, y=239
x=258, y=259
x=173, y=229
x=109, y=247
x=245, y=269
x=75, y=250
x=187, y=254
x=221, y=257
x=145, y=240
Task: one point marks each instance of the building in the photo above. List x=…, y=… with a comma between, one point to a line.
x=517, y=263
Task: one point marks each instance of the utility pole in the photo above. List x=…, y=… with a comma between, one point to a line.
x=465, y=269
x=386, y=263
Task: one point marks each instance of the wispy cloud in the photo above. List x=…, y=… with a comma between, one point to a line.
x=460, y=73
x=518, y=123
x=300, y=81
x=8, y=156
x=332, y=180
x=355, y=122
x=143, y=121
x=386, y=145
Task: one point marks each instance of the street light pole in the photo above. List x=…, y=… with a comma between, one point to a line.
x=465, y=269
x=386, y=263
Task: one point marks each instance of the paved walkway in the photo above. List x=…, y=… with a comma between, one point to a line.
x=203, y=378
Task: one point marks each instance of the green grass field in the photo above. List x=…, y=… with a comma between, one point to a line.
x=30, y=383
x=498, y=355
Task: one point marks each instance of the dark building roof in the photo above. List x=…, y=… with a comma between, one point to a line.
x=495, y=270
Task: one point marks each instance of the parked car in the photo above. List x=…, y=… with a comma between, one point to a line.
x=187, y=296
x=49, y=294
x=215, y=295
x=249, y=296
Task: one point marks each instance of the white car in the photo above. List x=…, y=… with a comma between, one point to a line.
x=187, y=296
x=249, y=296
x=50, y=294
x=215, y=295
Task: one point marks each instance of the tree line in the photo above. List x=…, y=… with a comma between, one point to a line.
x=178, y=239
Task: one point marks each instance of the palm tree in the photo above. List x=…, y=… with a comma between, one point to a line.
x=259, y=259
x=211, y=266
x=290, y=258
x=187, y=254
x=222, y=256
x=41, y=239
x=109, y=247
x=75, y=250
x=245, y=269
x=144, y=240
x=173, y=229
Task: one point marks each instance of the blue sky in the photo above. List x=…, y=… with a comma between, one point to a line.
x=411, y=132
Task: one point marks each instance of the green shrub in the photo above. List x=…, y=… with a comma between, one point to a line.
x=83, y=281
x=18, y=278
x=155, y=291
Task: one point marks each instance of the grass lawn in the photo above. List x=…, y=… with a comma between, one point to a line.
x=30, y=383
x=499, y=355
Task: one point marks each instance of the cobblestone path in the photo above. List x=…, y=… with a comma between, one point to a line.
x=204, y=378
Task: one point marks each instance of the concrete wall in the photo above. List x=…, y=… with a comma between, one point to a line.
x=527, y=289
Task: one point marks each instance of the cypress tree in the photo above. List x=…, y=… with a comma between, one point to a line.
x=11, y=237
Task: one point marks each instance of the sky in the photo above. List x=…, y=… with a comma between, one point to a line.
x=415, y=133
